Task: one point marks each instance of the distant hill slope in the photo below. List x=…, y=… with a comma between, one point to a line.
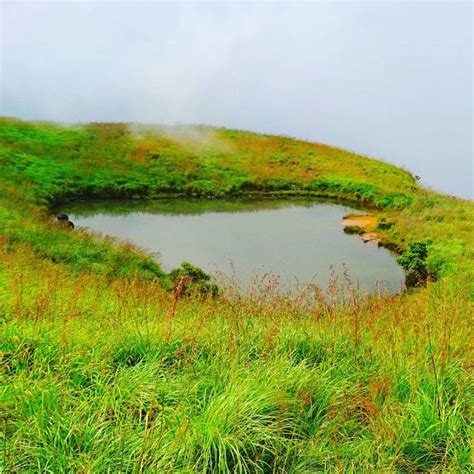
x=138, y=160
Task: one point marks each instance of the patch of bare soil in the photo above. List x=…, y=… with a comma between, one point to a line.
x=364, y=225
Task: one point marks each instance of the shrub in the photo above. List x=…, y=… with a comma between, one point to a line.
x=413, y=260
x=353, y=229
x=197, y=278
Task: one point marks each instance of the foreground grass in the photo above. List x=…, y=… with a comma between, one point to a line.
x=100, y=373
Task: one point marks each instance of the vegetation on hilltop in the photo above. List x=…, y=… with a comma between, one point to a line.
x=106, y=370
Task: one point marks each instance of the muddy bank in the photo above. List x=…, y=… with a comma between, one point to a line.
x=363, y=225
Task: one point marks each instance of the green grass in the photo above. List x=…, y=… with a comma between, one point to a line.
x=104, y=369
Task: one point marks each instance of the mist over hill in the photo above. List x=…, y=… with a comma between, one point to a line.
x=390, y=80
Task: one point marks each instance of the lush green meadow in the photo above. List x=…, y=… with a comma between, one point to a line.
x=106, y=367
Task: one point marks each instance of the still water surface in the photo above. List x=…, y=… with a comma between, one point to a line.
x=298, y=240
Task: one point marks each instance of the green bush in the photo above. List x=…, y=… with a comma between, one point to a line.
x=413, y=260
x=194, y=277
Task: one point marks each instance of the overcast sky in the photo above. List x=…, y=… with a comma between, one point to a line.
x=390, y=80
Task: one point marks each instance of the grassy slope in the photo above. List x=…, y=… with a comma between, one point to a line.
x=99, y=376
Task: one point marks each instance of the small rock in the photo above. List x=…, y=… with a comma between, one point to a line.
x=64, y=220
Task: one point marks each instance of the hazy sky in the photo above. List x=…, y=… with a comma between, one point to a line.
x=391, y=80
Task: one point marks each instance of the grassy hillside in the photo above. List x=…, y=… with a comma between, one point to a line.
x=106, y=369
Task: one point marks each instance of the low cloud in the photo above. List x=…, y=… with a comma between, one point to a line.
x=192, y=136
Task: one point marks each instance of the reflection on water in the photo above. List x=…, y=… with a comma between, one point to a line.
x=299, y=240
